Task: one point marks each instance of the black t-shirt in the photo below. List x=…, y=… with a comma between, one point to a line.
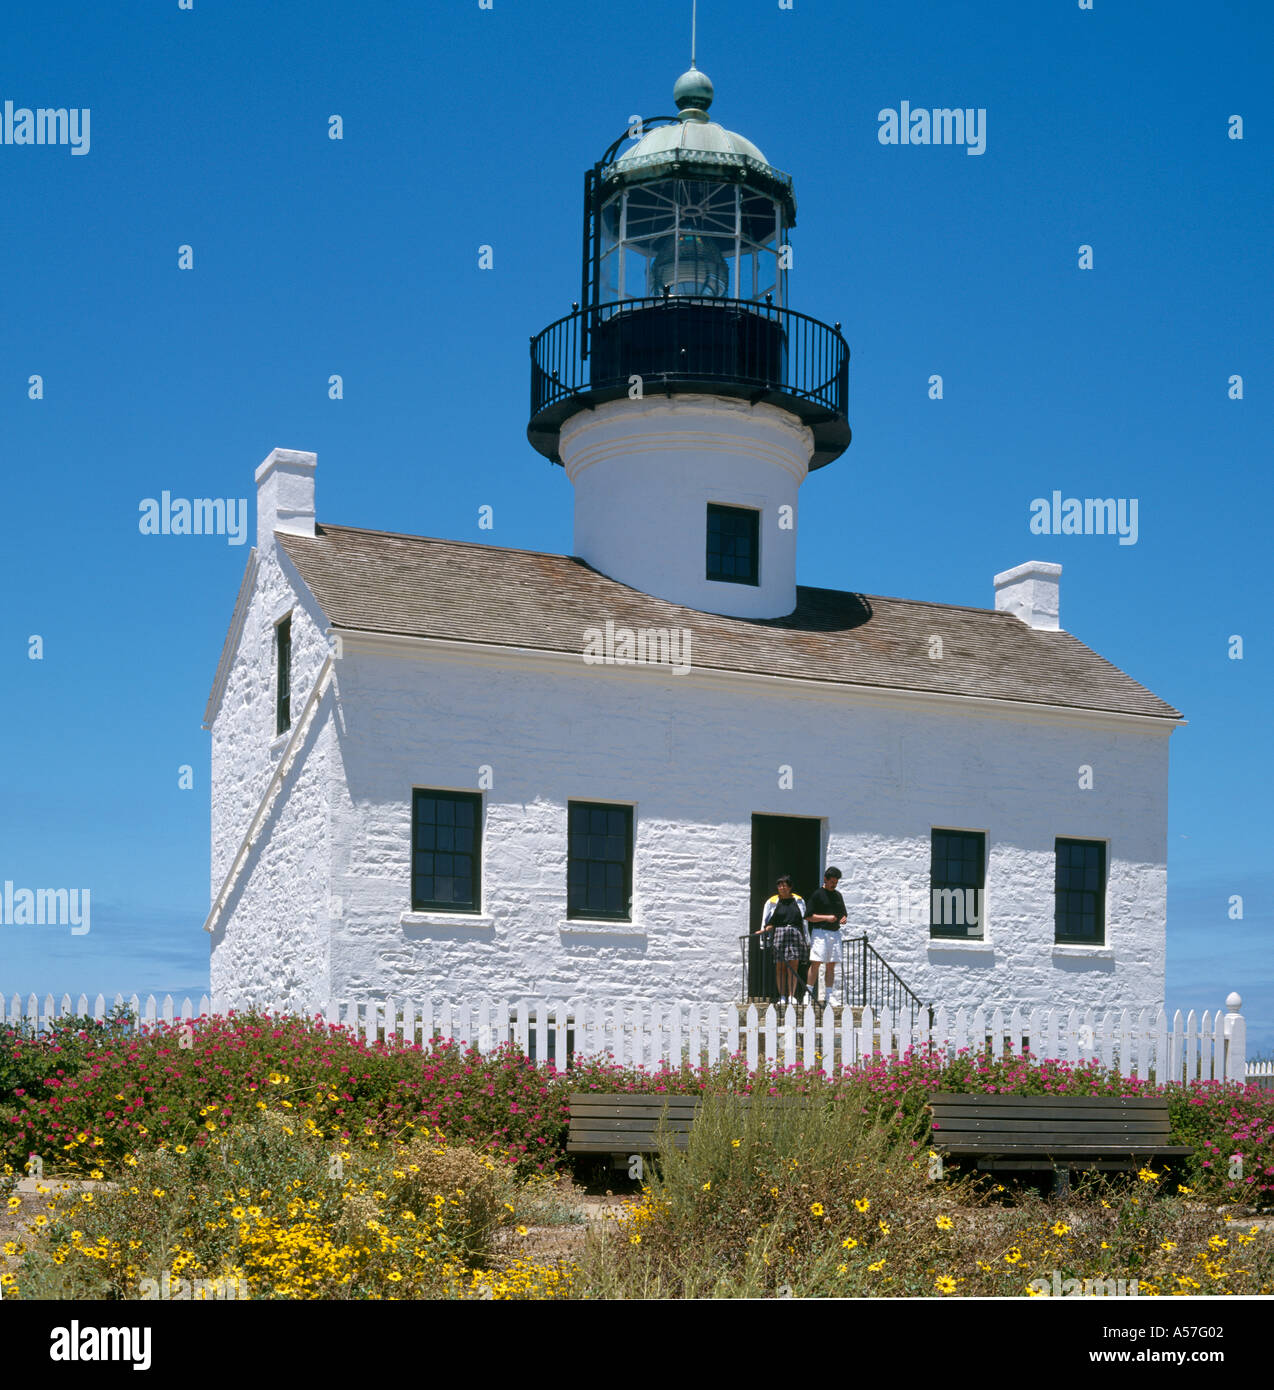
x=825, y=902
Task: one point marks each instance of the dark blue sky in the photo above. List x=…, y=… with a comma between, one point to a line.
x=464, y=127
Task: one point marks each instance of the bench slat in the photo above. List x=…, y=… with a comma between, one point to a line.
x=1098, y=1126
x=1057, y=1102
x=1033, y=1143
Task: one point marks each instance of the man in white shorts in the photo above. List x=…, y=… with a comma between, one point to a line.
x=825, y=916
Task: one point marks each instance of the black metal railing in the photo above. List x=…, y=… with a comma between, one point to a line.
x=733, y=346
x=863, y=978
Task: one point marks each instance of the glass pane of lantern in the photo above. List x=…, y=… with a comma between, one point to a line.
x=608, y=276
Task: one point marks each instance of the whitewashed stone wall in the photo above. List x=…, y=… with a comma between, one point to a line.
x=272, y=941
x=697, y=759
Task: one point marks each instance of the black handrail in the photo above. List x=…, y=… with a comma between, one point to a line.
x=863, y=978
x=700, y=338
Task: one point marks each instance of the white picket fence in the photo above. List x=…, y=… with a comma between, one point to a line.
x=1147, y=1045
x=1261, y=1074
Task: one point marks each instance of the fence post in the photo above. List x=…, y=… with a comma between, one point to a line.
x=1235, y=1039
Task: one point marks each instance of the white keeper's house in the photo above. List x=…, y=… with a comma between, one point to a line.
x=449, y=770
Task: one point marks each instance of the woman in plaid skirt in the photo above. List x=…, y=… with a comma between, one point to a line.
x=783, y=928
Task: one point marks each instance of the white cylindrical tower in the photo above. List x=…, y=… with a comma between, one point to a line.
x=686, y=401
x=691, y=498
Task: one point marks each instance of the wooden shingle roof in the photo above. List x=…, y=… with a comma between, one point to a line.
x=378, y=582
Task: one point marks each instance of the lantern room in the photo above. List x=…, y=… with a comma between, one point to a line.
x=684, y=286
x=692, y=210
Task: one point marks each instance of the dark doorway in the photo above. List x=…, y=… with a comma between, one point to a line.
x=780, y=845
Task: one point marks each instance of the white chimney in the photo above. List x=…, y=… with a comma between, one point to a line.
x=285, y=496
x=1030, y=592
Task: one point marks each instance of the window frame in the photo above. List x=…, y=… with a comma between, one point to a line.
x=455, y=797
x=283, y=675
x=937, y=931
x=589, y=914
x=727, y=509
x=1103, y=872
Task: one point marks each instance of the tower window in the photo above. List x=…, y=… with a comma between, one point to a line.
x=733, y=544
x=283, y=676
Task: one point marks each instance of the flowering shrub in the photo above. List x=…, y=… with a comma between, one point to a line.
x=181, y=1085
x=278, y=1216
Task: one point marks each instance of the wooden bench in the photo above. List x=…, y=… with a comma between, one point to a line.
x=1054, y=1132
x=621, y=1124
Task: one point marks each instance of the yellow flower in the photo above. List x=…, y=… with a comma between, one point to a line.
x=1218, y=1242
x=943, y=1223
x=1168, y=1245
x=774, y=1192
x=157, y=1192
x=944, y=1283
x=81, y=1138
x=41, y=1221
x=707, y=1187
x=1059, y=1228
x=842, y=1269
x=877, y=1267
x=734, y=1143
x=816, y=1209
x=1185, y=1191
x=849, y=1243
x=521, y=1230
x=862, y=1203
x=180, y=1149
x=884, y=1226
x=131, y=1160
x=1013, y=1256
x=86, y=1197
x=1148, y=1175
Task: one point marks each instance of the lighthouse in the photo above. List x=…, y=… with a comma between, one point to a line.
x=686, y=400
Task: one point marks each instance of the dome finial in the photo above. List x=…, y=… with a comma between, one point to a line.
x=693, y=94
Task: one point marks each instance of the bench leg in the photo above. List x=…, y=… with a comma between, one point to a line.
x=1061, y=1182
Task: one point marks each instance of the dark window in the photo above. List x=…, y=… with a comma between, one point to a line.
x=446, y=857
x=283, y=676
x=957, y=876
x=599, y=860
x=1079, y=892
x=733, y=544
